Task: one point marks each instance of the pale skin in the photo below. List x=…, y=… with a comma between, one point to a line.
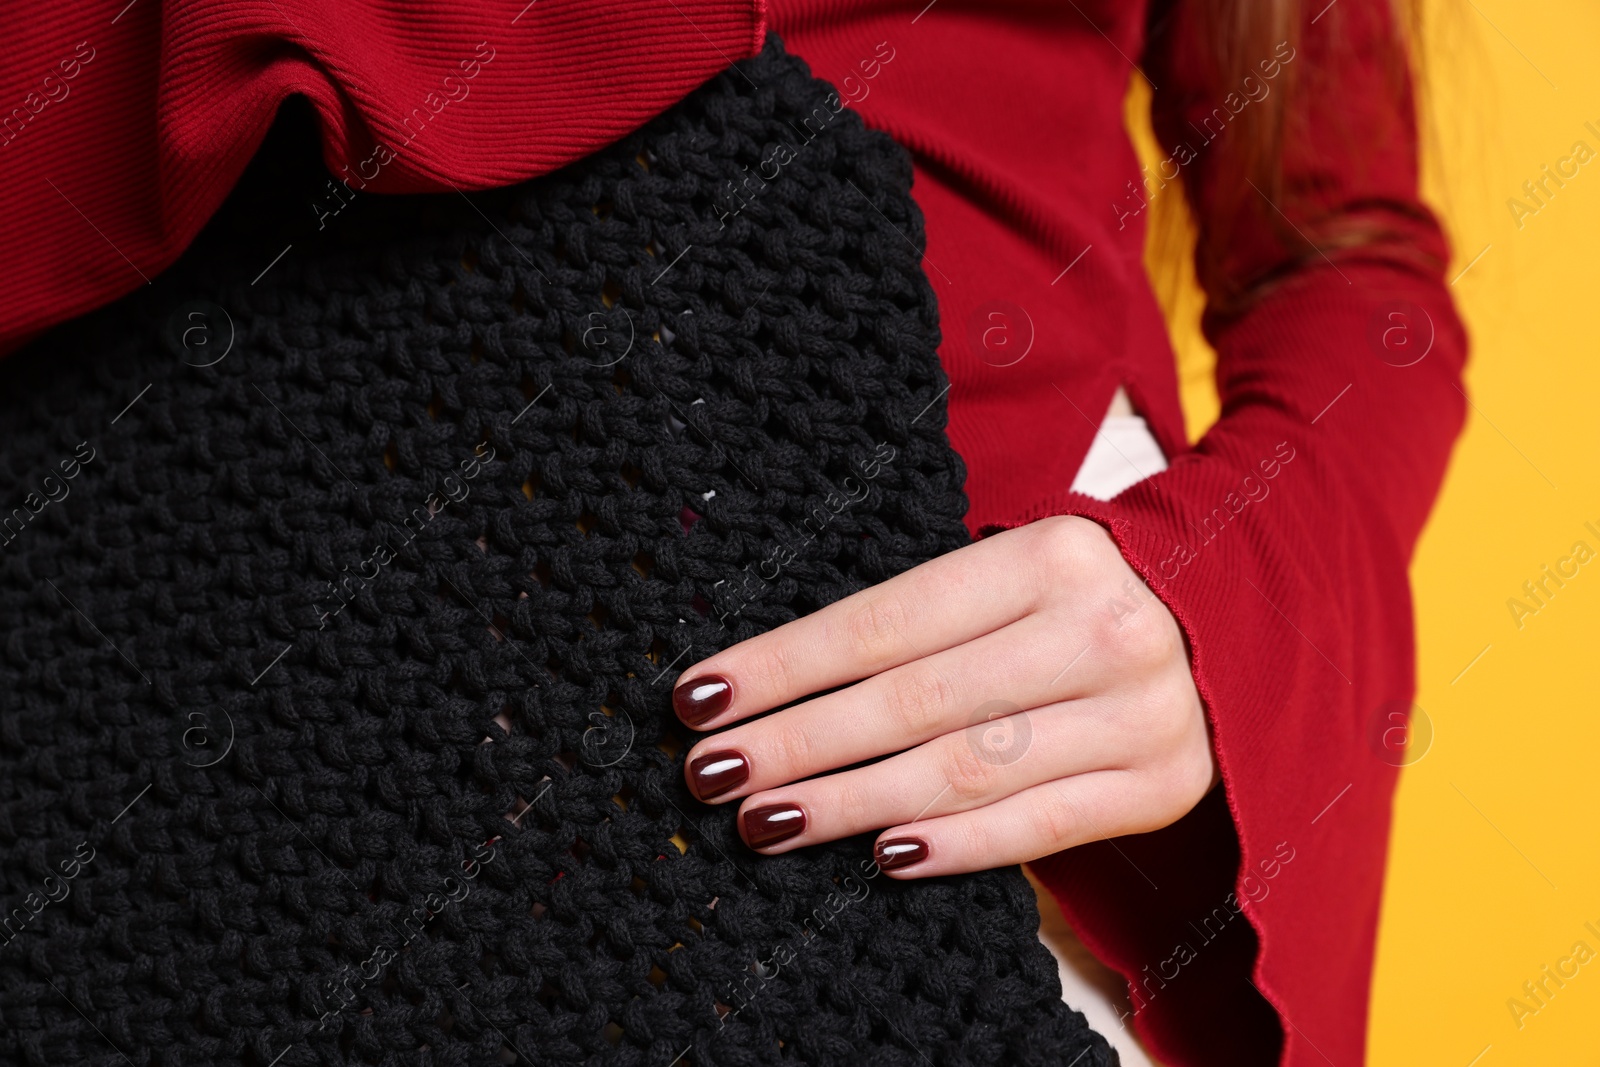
x=1035, y=695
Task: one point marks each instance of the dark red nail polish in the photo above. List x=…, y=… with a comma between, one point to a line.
x=715, y=773
x=772, y=823
x=899, y=852
x=702, y=699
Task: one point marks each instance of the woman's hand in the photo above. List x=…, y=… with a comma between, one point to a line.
x=1037, y=692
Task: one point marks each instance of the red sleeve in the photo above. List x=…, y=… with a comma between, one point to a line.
x=1281, y=544
x=128, y=123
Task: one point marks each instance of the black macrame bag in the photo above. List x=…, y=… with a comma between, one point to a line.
x=350, y=580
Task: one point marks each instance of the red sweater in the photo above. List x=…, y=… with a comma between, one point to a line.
x=1280, y=541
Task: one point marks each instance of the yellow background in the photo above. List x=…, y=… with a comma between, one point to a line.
x=1494, y=866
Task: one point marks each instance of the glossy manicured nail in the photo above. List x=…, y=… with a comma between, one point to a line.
x=700, y=700
x=772, y=823
x=715, y=773
x=899, y=852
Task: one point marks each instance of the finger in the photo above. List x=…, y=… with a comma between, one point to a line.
x=977, y=589
x=953, y=773
x=1023, y=665
x=1034, y=822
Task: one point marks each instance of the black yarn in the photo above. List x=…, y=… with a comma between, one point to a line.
x=243, y=755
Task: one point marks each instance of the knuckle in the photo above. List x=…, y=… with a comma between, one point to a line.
x=855, y=804
x=771, y=670
x=916, y=700
x=971, y=775
x=1146, y=634
x=1105, y=631
x=968, y=839
x=1053, y=824
x=793, y=749
x=1061, y=542
x=874, y=626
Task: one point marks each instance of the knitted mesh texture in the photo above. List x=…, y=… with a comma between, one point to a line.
x=335, y=717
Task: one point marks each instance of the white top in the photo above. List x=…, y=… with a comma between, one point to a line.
x=1123, y=452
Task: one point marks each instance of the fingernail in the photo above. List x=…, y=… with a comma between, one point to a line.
x=715, y=773
x=899, y=852
x=700, y=700
x=773, y=823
